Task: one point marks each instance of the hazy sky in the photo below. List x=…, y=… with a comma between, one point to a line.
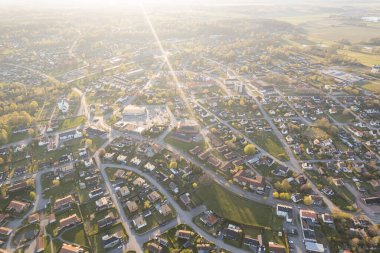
x=92, y=3
x=130, y=4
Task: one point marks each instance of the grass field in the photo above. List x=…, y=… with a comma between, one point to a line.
x=235, y=208
x=336, y=33
x=296, y=20
x=269, y=142
x=364, y=58
x=76, y=235
x=184, y=146
x=48, y=247
x=72, y=123
x=373, y=86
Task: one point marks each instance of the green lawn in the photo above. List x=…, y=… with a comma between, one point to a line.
x=76, y=235
x=366, y=59
x=300, y=19
x=48, y=245
x=342, y=197
x=334, y=33
x=72, y=123
x=269, y=142
x=373, y=86
x=233, y=207
x=96, y=240
x=184, y=146
x=18, y=137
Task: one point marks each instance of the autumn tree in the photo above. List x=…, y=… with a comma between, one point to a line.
x=32, y=195
x=173, y=164
x=307, y=200
x=249, y=149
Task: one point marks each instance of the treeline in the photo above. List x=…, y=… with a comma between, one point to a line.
x=13, y=120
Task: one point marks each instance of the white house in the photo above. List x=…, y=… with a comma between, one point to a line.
x=285, y=211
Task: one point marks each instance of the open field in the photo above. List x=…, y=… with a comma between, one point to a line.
x=235, y=208
x=300, y=19
x=364, y=58
x=269, y=142
x=72, y=123
x=338, y=32
x=372, y=86
x=76, y=235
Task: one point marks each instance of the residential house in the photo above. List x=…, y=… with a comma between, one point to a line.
x=251, y=182
x=154, y=248
x=68, y=221
x=327, y=218
x=103, y=203
x=314, y=247
x=18, y=186
x=154, y=196
x=232, y=232
x=63, y=203
x=67, y=248
x=165, y=210
x=296, y=197
x=276, y=248
x=281, y=171
x=285, y=211
x=34, y=218
x=132, y=206
x=111, y=241
x=17, y=206
x=139, y=182
x=185, y=199
x=70, y=135
x=124, y=191
x=139, y=222
x=209, y=218
x=106, y=221
x=254, y=243
x=5, y=232
x=184, y=234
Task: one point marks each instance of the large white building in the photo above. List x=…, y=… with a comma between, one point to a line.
x=135, y=113
x=375, y=69
x=63, y=106
x=285, y=211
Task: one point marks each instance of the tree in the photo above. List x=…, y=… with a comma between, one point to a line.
x=249, y=149
x=32, y=195
x=285, y=196
x=307, y=200
x=1, y=161
x=346, y=112
x=276, y=195
x=30, y=182
x=56, y=182
x=195, y=185
x=3, y=136
x=373, y=230
x=305, y=187
x=173, y=164
x=33, y=106
x=88, y=143
x=354, y=242
x=147, y=204
x=242, y=101
x=285, y=185
x=102, y=152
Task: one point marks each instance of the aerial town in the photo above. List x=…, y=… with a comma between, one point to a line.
x=172, y=127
